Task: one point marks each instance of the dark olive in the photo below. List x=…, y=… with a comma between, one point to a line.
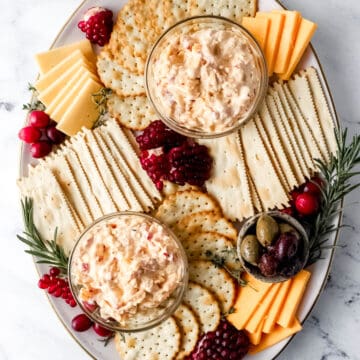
x=286, y=246
x=268, y=264
x=267, y=229
x=250, y=249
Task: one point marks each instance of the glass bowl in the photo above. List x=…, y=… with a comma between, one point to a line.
x=155, y=92
x=103, y=252
x=249, y=228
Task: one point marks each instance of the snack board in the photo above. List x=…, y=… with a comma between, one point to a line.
x=89, y=341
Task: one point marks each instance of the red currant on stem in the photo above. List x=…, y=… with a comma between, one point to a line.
x=307, y=204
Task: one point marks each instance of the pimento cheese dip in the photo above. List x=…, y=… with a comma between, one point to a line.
x=207, y=80
x=126, y=266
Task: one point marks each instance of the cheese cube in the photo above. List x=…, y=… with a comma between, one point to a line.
x=48, y=59
x=258, y=27
x=247, y=301
x=278, y=334
x=82, y=111
x=262, y=309
x=304, y=35
x=276, y=307
x=287, y=42
x=293, y=299
x=273, y=40
x=52, y=75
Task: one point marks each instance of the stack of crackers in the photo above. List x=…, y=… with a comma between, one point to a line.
x=139, y=23
x=197, y=220
x=257, y=167
x=95, y=173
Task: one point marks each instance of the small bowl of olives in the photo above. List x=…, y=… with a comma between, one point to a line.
x=273, y=246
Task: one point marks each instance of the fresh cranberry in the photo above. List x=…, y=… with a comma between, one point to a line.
x=55, y=135
x=314, y=186
x=97, y=24
x=29, y=134
x=294, y=194
x=289, y=211
x=39, y=119
x=81, y=323
x=307, y=204
x=40, y=149
x=101, y=331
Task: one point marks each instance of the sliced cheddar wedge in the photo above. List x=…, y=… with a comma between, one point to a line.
x=278, y=334
x=291, y=26
x=255, y=337
x=276, y=307
x=258, y=27
x=52, y=75
x=258, y=316
x=304, y=35
x=48, y=59
x=274, y=37
x=82, y=111
x=248, y=300
x=293, y=299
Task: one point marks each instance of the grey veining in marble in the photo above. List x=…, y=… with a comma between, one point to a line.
x=29, y=328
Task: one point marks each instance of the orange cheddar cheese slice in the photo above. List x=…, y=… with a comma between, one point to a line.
x=304, y=35
x=287, y=42
x=48, y=59
x=278, y=334
x=274, y=37
x=293, y=299
x=262, y=309
x=276, y=306
x=255, y=337
x=248, y=300
x=258, y=27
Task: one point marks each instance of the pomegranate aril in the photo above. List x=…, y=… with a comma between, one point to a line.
x=52, y=289
x=72, y=303
x=29, y=134
x=57, y=292
x=101, y=331
x=39, y=119
x=43, y=284
x=40, y=149
x=54, y=271
x=81, y=323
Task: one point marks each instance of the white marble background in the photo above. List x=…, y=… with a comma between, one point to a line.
x=29, y=329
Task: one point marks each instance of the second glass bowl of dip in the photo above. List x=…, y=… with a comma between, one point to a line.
x=161, y=95
x=83, y=271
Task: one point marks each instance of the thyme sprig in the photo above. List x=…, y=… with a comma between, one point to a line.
x=337, y=174
x=46, y=251
x=100, y=99
x=34, y=104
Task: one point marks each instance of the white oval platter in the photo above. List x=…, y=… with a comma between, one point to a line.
x=89, y=341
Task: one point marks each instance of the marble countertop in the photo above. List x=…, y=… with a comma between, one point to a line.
x=30, y=329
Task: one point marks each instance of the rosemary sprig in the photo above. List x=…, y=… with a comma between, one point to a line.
x=100, y=99
x=110, y=337
x=46, y=251
x=34, y=104
x=337, y=175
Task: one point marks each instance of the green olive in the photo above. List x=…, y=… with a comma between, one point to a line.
x=266, y=230
x=250, y=249
x=288, y=228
